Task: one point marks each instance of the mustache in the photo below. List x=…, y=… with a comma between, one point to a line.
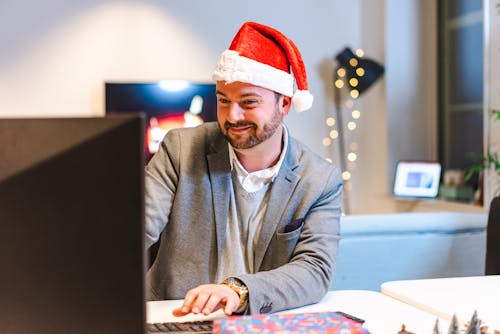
x=228, y=125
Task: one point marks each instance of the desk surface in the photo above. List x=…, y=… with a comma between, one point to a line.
x=444, y=297
x=382, y=314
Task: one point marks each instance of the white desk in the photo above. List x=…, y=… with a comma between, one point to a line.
x=444, y=297
x=382, y=314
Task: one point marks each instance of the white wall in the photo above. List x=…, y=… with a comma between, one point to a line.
x=56, y=55
x=411, y=81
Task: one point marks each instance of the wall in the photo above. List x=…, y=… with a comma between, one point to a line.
x=56, y=56
x=411, y=79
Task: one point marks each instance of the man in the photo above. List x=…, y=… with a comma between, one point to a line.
x=248, y=216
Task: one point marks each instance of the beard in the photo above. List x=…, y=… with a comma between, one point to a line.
x=255, y=136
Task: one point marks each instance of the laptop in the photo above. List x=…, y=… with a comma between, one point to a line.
x=417, y=179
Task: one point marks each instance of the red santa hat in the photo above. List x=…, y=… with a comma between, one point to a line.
x=263, y=56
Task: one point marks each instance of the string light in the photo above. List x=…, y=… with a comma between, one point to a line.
x=359, y=52
x=333, y=134
x=351, y=125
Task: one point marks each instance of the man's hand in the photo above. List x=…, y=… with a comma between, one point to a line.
x=209, y=298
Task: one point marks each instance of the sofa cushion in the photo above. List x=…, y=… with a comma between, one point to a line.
x=377, y=248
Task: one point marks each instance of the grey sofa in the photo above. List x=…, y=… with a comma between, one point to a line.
x=375, y=248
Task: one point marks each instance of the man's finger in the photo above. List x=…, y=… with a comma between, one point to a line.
x=213, y=304
x=189, y=300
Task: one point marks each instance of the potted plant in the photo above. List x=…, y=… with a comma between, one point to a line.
x=488, y=161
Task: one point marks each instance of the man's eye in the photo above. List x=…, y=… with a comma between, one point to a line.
x=249, y=103
x=223, y=100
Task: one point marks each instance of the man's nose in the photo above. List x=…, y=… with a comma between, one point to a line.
x=236, y=112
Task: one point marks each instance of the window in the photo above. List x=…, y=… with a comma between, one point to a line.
x=460, y=83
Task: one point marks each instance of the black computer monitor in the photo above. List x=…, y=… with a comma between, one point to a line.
x=71, y=225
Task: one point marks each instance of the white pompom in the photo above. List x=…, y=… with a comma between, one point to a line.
x=302, y=100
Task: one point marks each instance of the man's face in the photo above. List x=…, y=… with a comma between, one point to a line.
x=247, y=114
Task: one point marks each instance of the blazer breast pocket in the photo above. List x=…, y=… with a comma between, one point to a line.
x=291, y=230
x=284, y=244
x=294, y=225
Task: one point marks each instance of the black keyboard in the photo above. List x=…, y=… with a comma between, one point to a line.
x=199, y=327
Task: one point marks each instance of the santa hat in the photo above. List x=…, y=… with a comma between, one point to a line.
x=263, y=56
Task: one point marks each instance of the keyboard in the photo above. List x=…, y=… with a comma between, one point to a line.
x=198, y=327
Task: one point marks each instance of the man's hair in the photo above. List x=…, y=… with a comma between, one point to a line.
x=277, y=96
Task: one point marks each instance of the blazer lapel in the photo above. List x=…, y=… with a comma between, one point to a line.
x=220, y=178
x=284, y=184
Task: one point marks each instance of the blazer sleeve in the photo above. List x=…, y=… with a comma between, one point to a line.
x=161, y=178
x=306, y=277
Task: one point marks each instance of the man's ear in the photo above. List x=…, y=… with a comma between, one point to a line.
x=285, y=103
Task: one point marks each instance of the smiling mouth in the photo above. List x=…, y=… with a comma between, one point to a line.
x=238, y=128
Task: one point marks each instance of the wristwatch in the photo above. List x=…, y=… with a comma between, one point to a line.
x=241, y=289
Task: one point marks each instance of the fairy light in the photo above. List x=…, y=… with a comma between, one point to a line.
x=346, y=78
x=359, y=52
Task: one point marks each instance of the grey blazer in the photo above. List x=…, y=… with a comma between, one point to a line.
x=187, y=202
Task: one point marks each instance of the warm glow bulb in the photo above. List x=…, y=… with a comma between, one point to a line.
x=359, y=52
x=330, y=121
x=354, y=93
x=173, y=85
x=352, y=156
x=351, y=125
x=353, y=62
x=341, y=72
x=360, y=71
x=346, y=175
x=339, y=83
x=356, y=114
x=334, y=134
x=327, y=141
x=353, y=82
x=329, y=160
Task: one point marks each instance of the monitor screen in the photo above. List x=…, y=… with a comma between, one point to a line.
x=71, y=225
x=417, y=179
x=166, y=105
